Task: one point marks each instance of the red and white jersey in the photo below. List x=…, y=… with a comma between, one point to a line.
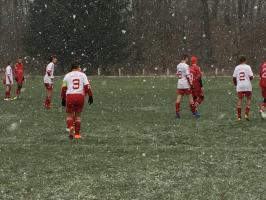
x=75, y=82
x=183, y=74
x=49, y=74
x=263, y=75
x=242, y=74
x=9, y=75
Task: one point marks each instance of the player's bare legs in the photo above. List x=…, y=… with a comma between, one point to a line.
x=77, y=125
x=19, y=87
x=177, y=105
x=238, y=106
x=248, y=107
x=48, y=100
x=8, y=92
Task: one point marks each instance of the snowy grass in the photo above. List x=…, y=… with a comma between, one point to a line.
x=133, y=148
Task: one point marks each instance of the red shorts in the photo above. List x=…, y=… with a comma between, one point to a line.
x=197, y=92
x=49, y=86
x=20, y=79
x=263, y=92
x=74, y=103
x=244, y=94
x=183, y=92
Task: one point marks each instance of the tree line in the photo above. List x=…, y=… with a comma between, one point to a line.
x=133, y=34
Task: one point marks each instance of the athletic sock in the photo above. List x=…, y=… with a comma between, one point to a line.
x=69, y=122
x=247, y=110
x=77, y=125
x=193, y=108
x=177, y=107
x=18, y=92
x=239, y=112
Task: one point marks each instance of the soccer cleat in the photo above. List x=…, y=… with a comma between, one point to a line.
x=15, y=98
x=247, y=117
x=7, y=99
x=177, y=116
x=196, y=114
x=77, y=136
x=239, y=119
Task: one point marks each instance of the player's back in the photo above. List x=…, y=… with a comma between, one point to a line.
x=75, y=82
x=195, y=74
x=242, y=74
x=19, y=67
x=182, y=74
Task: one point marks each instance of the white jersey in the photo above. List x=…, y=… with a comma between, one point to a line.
x=75, y=82
x=242, y=74
x=9, y=75
x=183, y=74
x=49, y=73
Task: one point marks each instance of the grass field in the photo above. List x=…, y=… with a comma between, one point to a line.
x=132, y=146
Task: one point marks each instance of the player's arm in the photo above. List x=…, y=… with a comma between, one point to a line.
x=88, y=90
x=63, y=93
x=251, y=75
x=234, y=78
x=16, y=71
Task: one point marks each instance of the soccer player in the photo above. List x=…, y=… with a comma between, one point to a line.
x=196, y=75
x=49, y=81
x=263, y=86
x=184, y=86
x=242, y=79
x=8, y=81
x=74, y=90
x=19, y=76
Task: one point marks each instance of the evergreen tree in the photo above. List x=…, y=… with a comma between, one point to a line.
x=91, y=31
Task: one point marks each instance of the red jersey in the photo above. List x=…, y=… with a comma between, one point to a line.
x=263, y=75
x=19, y=70
x=196, y=75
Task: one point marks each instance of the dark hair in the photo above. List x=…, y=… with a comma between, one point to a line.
x=184, y=56
x=75, y=65
x=242, y=59
x=9, y=62
x=52, y=57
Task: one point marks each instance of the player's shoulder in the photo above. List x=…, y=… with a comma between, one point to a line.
x=51, y=64
x=182, y=65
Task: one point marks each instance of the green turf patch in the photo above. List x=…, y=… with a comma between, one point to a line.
x=132, y=146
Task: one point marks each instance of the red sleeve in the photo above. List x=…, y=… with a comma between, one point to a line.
x=88, y=90
x=63, y=92
x=261, y=69
x=16, y=70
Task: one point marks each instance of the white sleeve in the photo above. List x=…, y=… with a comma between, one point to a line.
x=235, y=74
x=250, y=73
x=85, y=80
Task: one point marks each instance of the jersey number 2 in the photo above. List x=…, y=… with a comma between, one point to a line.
x=76, y=84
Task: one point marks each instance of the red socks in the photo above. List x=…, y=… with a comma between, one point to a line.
x=177, y=107
x=193, y=108
x=7, y=94
x=247, y=110
x=69, y=122
x=238, y=112
x=77, y=125
x=47, y=102
x=18, y=92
